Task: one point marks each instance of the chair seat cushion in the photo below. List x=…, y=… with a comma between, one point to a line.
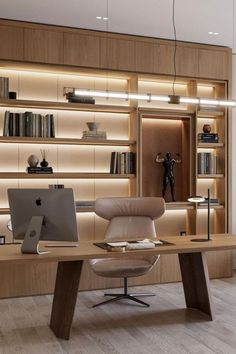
x=120, y=268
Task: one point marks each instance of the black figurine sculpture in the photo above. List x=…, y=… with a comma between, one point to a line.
x=168, y=176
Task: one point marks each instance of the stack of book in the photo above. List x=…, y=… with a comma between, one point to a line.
x=40, y=170
x=122, y=163
x=4, y=87
x=79, y=99
x=213, y=202
x=207, y=163
x=208, y=138
x=94, y=134
x=28, y=124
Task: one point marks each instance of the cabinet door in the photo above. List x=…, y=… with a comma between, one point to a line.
x=81, y=50
x=144, y=57
x=213, y=64
x=43, y=46
x=11, y=43
x=186, y=60
x=118, y=54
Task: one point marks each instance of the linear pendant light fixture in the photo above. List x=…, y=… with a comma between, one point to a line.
x=171, y=99
x=150, y=97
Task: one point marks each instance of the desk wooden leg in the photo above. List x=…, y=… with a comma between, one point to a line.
x=195, y=278
x=65, y=296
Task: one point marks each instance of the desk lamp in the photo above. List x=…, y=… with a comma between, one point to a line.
x=198, y=199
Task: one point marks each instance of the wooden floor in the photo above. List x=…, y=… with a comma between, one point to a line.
x=165, y=327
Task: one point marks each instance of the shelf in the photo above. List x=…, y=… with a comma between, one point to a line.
x=210, y=114
x=165, y=111
x=179, y=206
x=218, y=175
x=62, y=175
x=64, y=141
x=210, y=145
x=65, y=106
x=6, y=211
x=211, y=207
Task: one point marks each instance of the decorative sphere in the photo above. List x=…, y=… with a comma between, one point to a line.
x=206, y=128
x=33, y=161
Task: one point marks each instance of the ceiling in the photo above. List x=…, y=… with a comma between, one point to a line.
x=193, y=18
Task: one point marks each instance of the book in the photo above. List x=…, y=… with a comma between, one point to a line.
x=6, y=123
x=79, y=99
x=208, y=137
x=207, y=163
x=4, y=87
x=122, y=162
x=39, y=170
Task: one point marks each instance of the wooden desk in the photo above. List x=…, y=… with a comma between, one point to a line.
x=192, y=261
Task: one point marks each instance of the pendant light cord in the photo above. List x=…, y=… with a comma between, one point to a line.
x=175, y=45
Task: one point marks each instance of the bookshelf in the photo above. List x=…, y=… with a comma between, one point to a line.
x=141, y=127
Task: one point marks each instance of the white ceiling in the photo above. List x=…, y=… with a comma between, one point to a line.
x=193, y=18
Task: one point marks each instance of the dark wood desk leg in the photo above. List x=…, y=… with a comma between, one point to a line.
x=65, y=296
x=195, y=278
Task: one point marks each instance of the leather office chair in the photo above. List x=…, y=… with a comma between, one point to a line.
x=129, y=219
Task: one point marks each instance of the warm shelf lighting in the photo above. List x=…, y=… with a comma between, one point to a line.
x=174, y=99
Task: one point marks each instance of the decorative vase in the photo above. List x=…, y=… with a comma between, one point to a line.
x=93, y=126
x=33, y=161
x=206, y=128
x=44, y=163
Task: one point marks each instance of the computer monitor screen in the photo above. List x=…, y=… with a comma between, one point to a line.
x=55, y=205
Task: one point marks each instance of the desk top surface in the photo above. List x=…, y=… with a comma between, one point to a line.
x=86, y=249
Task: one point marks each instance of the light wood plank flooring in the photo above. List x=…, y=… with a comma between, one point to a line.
x=120, y=328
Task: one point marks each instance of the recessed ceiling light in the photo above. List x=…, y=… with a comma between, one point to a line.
x=98, y=17
x=213, y=33
x=105, y=18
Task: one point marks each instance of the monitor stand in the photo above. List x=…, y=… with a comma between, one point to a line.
x=32, y=236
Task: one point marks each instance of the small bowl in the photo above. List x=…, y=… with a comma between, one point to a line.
x=93, y=125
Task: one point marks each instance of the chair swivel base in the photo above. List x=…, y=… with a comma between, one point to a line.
x=125, y=295
x=117, y=297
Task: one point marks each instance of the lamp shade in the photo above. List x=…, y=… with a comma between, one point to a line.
x=196, y=199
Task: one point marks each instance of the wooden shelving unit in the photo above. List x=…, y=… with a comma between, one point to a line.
x=62, y=175
x=65, y=141
x=210, y=145
x=218, y=175
x=64, y=106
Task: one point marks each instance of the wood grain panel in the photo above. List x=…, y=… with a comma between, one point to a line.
x=186, y=60
x=11, y=43
x=43, y=46
x=117, y=54
x=22, y=279
x=213, y=64
x=144, y=57
x=81, y=50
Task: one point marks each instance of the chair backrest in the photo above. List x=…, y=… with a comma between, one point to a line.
x=130, y=218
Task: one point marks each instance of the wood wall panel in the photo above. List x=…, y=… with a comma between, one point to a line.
x=43, y=46
x=145, y=57
x=11, y=43
x=81, y=50
x=187, y=61
x=117, y=54
x=213, y=64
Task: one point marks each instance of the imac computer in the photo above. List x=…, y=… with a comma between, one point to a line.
x=42, y=214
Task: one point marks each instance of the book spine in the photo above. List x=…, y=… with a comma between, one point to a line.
x=6, y=123
x=22, y=124
x=10, y=124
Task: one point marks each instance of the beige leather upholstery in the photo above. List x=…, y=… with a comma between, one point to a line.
x=130, y=218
